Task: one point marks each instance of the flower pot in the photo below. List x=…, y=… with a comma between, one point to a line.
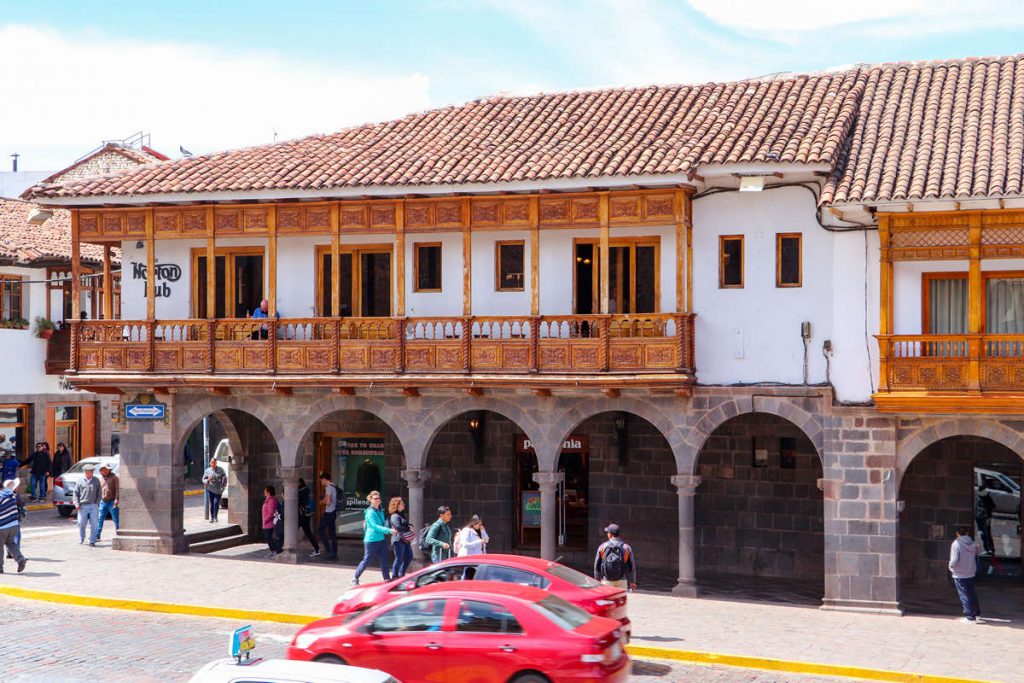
x=45, y=334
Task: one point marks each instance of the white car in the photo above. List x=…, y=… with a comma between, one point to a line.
x=286, y=671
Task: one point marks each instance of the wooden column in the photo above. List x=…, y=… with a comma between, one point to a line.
x=534, y=218
x=272, y=261
x=885, y=302
x=975, y=297
x=679, y=205
x=688, y=224
x=604, y=256
x=211, y=266
x=108, y=286
x=150, y=268
x=335, y=263
x=400, y=258
x=76, y=268
x=467, y=261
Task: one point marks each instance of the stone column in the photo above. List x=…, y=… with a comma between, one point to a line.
x=548, y=482
x=416, y=480
x=686, y=584
x=152, y=488
x=291, y=516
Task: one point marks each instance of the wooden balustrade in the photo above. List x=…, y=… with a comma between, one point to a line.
x=943, y=363
x=483, y=344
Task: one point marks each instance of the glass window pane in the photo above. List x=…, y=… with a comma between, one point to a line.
x=645, y=279
x=731, y=268
x=12, y=415
x=789, y=261
x=510, y=267
x=376, y=281
x=486, y=617
x=421, y=615
x=428, y=267
x=1004, y=305
x=947, y=306
x=619, y=300
x=510, y=575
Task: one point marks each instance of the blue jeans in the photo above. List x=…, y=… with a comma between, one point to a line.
x=87, y=514
x=115, y=514
x=39, y=484
x=403, y=556
x=213, y=500
x=968, y=597
x=378, y=549
x=329, y=533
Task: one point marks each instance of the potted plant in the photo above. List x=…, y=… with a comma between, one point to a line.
x=44, y=327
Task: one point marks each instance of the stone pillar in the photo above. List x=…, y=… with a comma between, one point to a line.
x=416, y=480
x=548, y=482
x=291, y=515
x=686, y=584
x=239, y=507
x=152, y=488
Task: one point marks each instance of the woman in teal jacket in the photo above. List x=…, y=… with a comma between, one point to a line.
x=375, y=538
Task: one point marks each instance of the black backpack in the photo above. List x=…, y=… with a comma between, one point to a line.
x=613, y=560
x=340, y=500
x=422, y=538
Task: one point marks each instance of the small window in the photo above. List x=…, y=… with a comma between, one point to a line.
x=13, y=430
x=485, y=617
x=788, y=260
x=510, y=259
x=421, y=615
x=511, y=575
x=10, y=298
x=730, y=261
x=428, y=267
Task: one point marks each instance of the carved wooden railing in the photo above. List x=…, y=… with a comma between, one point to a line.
x=483, y=344
x=967, y=362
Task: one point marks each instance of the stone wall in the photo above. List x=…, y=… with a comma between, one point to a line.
x=759, y=521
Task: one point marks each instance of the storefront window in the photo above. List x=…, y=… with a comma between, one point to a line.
x=356, y=463
x=14, y=430
x=572, y=507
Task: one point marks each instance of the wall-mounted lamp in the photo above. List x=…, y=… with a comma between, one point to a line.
x=622, y=438
x=139, y=244
x=476, y=431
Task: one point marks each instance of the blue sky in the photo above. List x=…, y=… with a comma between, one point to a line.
x=214, y=75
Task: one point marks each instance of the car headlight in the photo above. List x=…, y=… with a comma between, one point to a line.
x=349, y=594
x=304, y=640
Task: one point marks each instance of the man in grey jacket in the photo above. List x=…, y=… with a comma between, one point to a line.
x=87, y=495
x=963, y=564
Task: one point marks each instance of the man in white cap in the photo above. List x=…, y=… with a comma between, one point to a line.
x=88, y=492
x=10, y=524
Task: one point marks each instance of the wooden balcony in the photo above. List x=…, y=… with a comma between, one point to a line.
x=58, y=352
x=375, y=349
x=977, y=373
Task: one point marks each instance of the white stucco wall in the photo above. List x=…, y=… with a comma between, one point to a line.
x=854, y=369
x=22, y=355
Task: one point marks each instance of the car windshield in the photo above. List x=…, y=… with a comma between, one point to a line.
x=77, y=467
x=578, y=579
x=565, y=614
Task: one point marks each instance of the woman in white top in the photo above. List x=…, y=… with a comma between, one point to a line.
x=472, y=538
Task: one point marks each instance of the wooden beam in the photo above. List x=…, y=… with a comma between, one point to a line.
x=475, y=391
x=467, y=261
x=410, y=392
x=220, y=391
x=150, y=268
x=335, y=262
x=534, y=218
x=400, y=259
x=885, y=301
x=272, y=260
x=604, y=256
x=611, y=392
x=211, y=266
x=684, y=392
x=108, y=286
x=76, y=267
x=679, y=204
x=161, y=391
x=109, y=391
x=543, y=393
x=345, y=391
x=688, y=214
x=283, y=391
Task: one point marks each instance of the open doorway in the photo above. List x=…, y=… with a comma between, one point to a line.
x=997, y=519
x=238, y=279
x=365, y=276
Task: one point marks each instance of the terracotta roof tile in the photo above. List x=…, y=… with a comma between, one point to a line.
x=25, y=244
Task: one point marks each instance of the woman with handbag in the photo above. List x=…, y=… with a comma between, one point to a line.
x=376, y=533
x=271, y=517
x=402, y=544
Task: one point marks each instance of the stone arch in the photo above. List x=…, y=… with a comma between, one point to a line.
x=187, y=418
x=780, y=406
x=440, y=415
x=912, y=446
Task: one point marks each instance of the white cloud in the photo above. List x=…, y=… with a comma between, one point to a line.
x=67, y=93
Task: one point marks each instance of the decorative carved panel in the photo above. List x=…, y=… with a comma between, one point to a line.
x=383, y=357
x=353, y=357
x=318, y=218
x=136, y=221
x=624, y=209
x=354, y=217
x=382, y=216
x=195, y=359
x=554, y=210
x=165, y=223
x=255, y=220
x=585, y=210
x=419, y=215
x=88, y=224
x=517, y=211
x=659, y=206
x=227, y=220
x=449, y=214
x=112, y=224
x=289, y=219
x=486, y=213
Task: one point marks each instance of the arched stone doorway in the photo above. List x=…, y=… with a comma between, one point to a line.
x=759, y=513
x=945, y=487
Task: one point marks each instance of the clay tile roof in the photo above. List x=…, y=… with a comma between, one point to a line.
x=22, y=243
x=935, y=130
x=590, y=134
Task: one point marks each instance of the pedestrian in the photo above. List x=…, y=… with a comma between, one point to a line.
x=11, y=512
x=402, y=542
x=307, y=508
x=61, y=461
x=329, y=519
x=87, y=494
x=376, y=533
x=439, y=536
x=40, y=464
x=271, y=515
x=963, y=564
x=984, y=507
x=615, y=563
x=110, y=498
x=9, y=465
x=215, y=481
x=472, y=539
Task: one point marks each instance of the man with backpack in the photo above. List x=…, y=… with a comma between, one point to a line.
x=307, y=508
x=436, y=539
x=328, y=527
x=615, y=564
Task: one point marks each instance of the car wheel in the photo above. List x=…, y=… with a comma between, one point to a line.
x=530, y=678
x=65, y=511
x=329, y=659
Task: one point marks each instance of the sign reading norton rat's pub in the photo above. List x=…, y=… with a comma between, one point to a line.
x=145, y=407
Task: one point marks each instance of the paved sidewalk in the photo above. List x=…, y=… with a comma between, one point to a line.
x=938, y=646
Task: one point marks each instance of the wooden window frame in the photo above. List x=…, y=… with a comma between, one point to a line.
x=24, y=424
x=8, y=315
x=229, y=282
x=722, y=239
x=357, y=273
x=416, y=267
x=926, y=279
x=642, y=241
x=497, y=264
x=799, y=237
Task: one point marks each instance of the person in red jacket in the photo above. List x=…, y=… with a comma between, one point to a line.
x=270, y=508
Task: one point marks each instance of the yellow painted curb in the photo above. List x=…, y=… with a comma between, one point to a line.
x=194, y=492
x=808, y=668
x=39, y=506
x=162, y=607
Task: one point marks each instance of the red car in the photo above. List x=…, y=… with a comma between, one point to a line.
x=557, y=579
x=472, y=632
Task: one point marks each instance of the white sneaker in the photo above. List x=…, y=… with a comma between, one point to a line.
x=315, y=553
x=966, y=620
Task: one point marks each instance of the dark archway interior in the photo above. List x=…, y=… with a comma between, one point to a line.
x=758, y=511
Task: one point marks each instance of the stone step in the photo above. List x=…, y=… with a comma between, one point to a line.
x=216, y=544
x=213, y=533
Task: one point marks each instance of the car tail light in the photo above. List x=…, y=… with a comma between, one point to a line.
x=59, y=481
x=607, y=650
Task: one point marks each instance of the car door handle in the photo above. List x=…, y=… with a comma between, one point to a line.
x=433, y=646
x=507, y=648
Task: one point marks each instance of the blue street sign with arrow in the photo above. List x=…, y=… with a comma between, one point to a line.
x=145, y=411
